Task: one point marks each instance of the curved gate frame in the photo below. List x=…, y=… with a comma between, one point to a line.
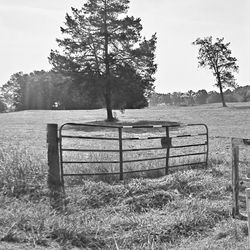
x=166, y=142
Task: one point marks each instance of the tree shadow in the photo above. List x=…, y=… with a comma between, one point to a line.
x=138, y=126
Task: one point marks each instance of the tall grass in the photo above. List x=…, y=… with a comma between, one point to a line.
x=20, y=171
x=138, y=214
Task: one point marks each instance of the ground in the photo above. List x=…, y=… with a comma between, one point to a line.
x=186, y=210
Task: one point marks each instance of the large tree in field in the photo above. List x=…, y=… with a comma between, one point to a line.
x=99, y=40
x=217, y=57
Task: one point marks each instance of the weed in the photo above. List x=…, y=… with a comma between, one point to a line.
x=145, y=202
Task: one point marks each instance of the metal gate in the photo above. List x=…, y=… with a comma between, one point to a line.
x=96, y=150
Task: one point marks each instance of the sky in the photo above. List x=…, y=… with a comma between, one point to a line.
x=29, y=29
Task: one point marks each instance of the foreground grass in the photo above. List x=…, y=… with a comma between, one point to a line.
x=135, y=215
x=170, y=212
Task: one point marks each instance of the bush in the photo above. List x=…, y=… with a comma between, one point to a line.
x=214, y=98
x=232, y=98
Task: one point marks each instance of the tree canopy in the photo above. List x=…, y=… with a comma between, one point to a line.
x=105, y=47
x=217, y=57
x=37, y=90
x=52, y=90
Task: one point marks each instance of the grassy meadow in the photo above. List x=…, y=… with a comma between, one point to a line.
x=185, y=210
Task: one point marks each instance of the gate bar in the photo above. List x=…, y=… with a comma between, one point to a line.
x=89, y=137
x=121, y=153
x=168, y=151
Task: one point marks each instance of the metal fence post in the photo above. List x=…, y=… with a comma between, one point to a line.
x=235, y=178
x=168, y=151
x=54, y=178
x=121, y=153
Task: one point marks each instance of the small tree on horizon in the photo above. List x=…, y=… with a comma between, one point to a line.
x=100, y=41
x=217, y=57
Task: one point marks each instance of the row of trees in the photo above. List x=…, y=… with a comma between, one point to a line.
x=179, y=98
x=239, y=94
x=50, y=90
x=53, y=90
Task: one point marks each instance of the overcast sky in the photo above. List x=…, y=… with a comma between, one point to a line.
x=29, y=29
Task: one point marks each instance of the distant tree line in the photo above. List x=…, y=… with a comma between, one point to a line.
x=53, y=90
x=239, y=94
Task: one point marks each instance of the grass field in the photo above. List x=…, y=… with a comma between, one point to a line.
x=185, y=210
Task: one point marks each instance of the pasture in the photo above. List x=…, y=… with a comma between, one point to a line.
x=186, y=210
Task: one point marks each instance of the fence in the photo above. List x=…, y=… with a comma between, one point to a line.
x=240, y=177
x=82, y=150
x=118, y=142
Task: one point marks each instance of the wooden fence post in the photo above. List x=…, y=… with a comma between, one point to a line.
x=248, y=213
x=168, y=151
x=235, y=178
x=54, y=178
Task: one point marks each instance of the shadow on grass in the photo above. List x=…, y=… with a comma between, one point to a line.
x=240, y=107
x=102, y=174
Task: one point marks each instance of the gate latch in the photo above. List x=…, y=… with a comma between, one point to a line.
x=246, y=141
x=166, y=142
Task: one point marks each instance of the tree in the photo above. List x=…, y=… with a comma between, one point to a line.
x=190, y=97
x=100, y=40
x=217, y=57
x=213, y=97
x=3, y=106
x=14, y=90
x=243, y=93
x=167, y=99
x=36, y=90
x=201, y=96
x=176, y=98
x=133, y=91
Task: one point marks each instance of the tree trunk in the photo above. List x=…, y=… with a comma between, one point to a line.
x=222, y=97
x=221, y=91
x=110, y=117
